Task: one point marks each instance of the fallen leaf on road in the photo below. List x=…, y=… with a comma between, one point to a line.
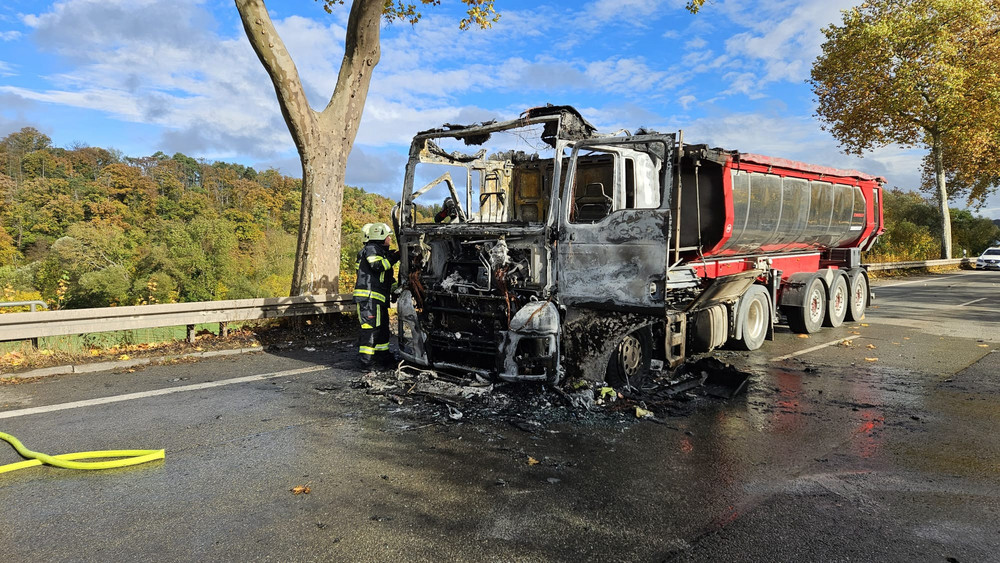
x=864, y=324
x=983, y=345
x=871, y=359
x=123, y=357
x=301, y=489
x=871, y=346
x=642, y=413
x=532, y=461
x=803, y=336
x=847, y=343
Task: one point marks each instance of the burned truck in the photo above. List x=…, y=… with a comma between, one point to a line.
x=568, y=253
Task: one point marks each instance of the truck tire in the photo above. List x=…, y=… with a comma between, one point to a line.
x=858, y=299
x=754, y=318
x=629, y=363
x=836, y=309
x=808, y=318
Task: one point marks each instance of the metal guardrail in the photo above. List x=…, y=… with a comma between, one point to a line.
x=921, y=264
x=32, y=304
x=33, y=325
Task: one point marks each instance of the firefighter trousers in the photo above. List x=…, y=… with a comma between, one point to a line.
x=373, y=340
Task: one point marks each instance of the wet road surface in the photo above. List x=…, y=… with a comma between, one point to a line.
x=881, y=443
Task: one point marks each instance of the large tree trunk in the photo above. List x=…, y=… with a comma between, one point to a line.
x=937, y=154
x=324, y=139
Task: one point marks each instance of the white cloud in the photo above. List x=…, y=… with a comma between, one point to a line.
x=696, y=43
x=10, y=35
x=629, y=12
x=783, y=37
x=386, y=122
x=146, y=62
x=627, y=76
x=800, y=138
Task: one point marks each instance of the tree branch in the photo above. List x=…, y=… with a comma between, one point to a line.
x=362, y=52
x=279, y=66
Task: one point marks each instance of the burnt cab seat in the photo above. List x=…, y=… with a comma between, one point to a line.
x=593, y=204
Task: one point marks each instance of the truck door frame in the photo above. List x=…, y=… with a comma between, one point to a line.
x=619, y=261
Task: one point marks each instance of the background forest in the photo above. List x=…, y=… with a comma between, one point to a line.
x=90, y=227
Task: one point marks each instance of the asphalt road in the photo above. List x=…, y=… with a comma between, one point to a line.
x=876, y=441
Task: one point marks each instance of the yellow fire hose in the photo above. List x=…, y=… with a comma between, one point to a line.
x=66, y=461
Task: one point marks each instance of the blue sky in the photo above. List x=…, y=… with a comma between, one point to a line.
x=143, y=75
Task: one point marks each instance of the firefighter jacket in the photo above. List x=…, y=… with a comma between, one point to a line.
x=375, y=279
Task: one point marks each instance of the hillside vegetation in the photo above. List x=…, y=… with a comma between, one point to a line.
x=89, y=227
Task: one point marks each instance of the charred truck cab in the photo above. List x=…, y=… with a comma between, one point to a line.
x=577, y=254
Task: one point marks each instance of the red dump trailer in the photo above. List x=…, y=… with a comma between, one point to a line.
x=576, y=254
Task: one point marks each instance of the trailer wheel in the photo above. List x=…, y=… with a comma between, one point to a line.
x=754, y=318
x=629, y=363
x=858, y=299
x=836, y=309
x=809, y=318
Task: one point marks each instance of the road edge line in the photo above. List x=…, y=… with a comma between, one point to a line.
x=157, y=392
x=813, y=349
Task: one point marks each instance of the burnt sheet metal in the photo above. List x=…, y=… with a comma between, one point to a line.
x=590, y=336
x=572, y=125
x=538, y=321
x=407, y=311
x=624, y=255
x=433, y=150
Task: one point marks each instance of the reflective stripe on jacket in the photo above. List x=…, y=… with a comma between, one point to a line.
x=374, y=272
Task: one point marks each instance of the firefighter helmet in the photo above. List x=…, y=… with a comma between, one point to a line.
x=375, y=231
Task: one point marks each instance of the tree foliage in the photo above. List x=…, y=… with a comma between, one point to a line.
x=917, y=73
x=480, y=13
x=101, y=229
x=694, y=6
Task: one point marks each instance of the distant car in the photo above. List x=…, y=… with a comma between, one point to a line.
x=989, y=259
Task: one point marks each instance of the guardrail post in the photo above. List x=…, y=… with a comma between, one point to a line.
x=223, y=330
x=190, y=333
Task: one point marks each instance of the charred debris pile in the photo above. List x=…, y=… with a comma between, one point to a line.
x=466, y=397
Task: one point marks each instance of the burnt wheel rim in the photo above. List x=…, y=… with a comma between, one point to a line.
x=630, y=356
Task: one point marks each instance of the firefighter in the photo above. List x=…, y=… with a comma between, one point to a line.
x=448, y=213
x=371, y=293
